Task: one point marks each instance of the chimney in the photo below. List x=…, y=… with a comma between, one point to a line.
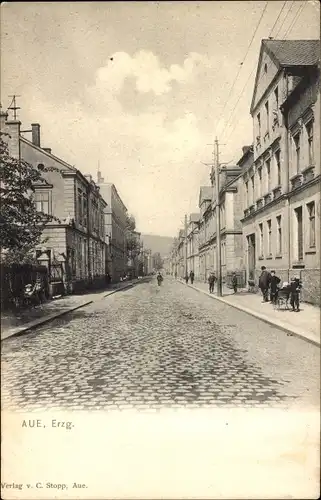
x=48, y=150
x=4, y=119
x=35, y=128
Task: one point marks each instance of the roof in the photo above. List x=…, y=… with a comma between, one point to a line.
x=206, y=193
x=287, y=54
x=294, y=52
x=194, y=217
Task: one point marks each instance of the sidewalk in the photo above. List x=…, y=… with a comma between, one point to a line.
x=305, y=324
x=27, y=320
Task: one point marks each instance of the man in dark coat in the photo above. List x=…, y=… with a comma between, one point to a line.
x=234, y=282
x=191, y=275
x=264, y=283
x=295, y=288
x=274, y=283
x=186, y=278
x=211, y=282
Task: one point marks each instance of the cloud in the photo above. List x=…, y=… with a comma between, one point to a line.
x=145, y=67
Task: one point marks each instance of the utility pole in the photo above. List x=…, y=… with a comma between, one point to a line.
x=218, y=218
x=185, y=245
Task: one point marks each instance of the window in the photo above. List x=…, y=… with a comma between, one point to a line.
x=267, y=116
x=80, y=207
x=276, y=97
x=252, y=189
x=269, y=228
x=279, y=235
x=268, y=175
x=296, y=139
x=85, y=209
x=42, y=202
x=265, y=68
x=299, y=232
x=259, y=124
x=261, y=239
x=309, y=129
x=259, y=187
x=278, y=167
x=247, y=193
x=311, y=212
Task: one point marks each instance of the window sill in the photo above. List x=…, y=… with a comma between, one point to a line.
x=261, y=257
x=311, y=250
x=278, y=256
x=269, y=257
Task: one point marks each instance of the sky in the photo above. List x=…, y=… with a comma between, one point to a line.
x=143, y=88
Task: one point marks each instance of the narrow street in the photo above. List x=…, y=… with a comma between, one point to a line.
x=154, y=347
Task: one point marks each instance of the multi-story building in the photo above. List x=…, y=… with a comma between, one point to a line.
x=192, y=245
x=282, y=188
x=74, y=247
x=230, y=206
x=181, y=254
x=206, y=232
x=115, y=228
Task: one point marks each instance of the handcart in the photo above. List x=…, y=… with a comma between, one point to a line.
x=283, y=299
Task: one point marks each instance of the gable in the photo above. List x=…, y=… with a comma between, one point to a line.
x=266, y=71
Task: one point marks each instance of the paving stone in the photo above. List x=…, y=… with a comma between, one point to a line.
x=147, y=353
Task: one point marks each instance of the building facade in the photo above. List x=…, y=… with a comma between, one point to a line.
x=192, y=245
x=115, y=229
x=206, y=232
x=74, y=245
x=281, y=190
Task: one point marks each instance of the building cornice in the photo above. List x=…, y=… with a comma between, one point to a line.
x=283, y=197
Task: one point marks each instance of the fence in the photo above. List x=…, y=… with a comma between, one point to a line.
x=14, y=279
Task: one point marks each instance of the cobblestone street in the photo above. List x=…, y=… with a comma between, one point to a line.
x=153, y=347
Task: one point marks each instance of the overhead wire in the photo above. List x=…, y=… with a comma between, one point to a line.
x=299, y=12
x=285, y=18
x=242, y=92
x=240, y=68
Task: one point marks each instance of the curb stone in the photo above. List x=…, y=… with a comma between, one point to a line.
x=278, y=324
x=41, y=321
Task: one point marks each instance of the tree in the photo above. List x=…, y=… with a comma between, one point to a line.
x=157, y=261
x=21, y=225
x=130, y=222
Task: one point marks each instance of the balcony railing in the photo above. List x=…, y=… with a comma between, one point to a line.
x=252, y=209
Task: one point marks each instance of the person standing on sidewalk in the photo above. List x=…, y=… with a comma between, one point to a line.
x=211, y=282
x=274, y=287
x=191, y=275
x=295, y=288
x=186, y=278
x=264, y=283
x=234, y=282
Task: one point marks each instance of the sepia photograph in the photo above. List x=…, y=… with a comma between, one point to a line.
x=160, y=250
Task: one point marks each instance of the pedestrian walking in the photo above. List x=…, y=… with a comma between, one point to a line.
x=234, y=282
x=211, y=282
x=295, y=288
x=186, y=278
x=191, y=275
x=274, y=287
x=159, y=279
x=264, y=283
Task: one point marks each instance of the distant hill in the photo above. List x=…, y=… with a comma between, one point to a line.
x=161, y=244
